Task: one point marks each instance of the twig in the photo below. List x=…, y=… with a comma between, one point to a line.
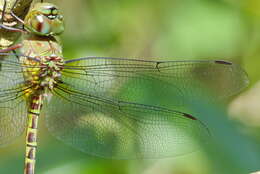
x=9, y=37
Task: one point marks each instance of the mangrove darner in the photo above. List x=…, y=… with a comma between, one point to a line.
x=95, y=103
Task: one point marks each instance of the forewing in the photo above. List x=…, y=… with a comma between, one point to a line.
x=175, y=81
x=13, y=107
x=118, y=129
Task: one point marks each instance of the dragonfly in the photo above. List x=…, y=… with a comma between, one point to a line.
x=95, y=104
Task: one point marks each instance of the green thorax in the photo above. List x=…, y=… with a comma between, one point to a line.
x=42, y=62
x=36, y=46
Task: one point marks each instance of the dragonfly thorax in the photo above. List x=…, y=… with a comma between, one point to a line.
x=50, y=71
x=42, y=74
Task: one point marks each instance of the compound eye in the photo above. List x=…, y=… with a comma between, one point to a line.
x=54, y=11
x=45, y=19
x=45, y=11
x=40, y=24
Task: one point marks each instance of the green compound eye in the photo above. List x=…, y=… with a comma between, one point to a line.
x=44, y=19
x=45, y=11
x=40, y=24
x=57, y=25
x=54, y=11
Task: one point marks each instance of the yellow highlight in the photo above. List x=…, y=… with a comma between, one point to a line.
x=32, y=130
x=27, y=160
x=31, y=122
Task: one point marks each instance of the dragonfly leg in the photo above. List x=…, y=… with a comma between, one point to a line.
x=12, y=28
x=11, y=48
x=2, y=25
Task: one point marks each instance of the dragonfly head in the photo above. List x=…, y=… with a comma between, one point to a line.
x=44, y=19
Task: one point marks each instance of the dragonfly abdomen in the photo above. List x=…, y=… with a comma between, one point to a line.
x=31, y=133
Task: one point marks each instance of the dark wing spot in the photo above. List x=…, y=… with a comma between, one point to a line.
x=223, y=62
x=189, y=116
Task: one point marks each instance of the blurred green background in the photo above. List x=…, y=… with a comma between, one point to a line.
x=164, y=30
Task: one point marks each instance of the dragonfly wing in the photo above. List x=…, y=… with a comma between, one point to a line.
x=118, y=129
x=13, y=108
x=175, y=81
x=89, y=112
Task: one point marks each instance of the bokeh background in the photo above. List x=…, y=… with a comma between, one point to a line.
x=164, y=30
